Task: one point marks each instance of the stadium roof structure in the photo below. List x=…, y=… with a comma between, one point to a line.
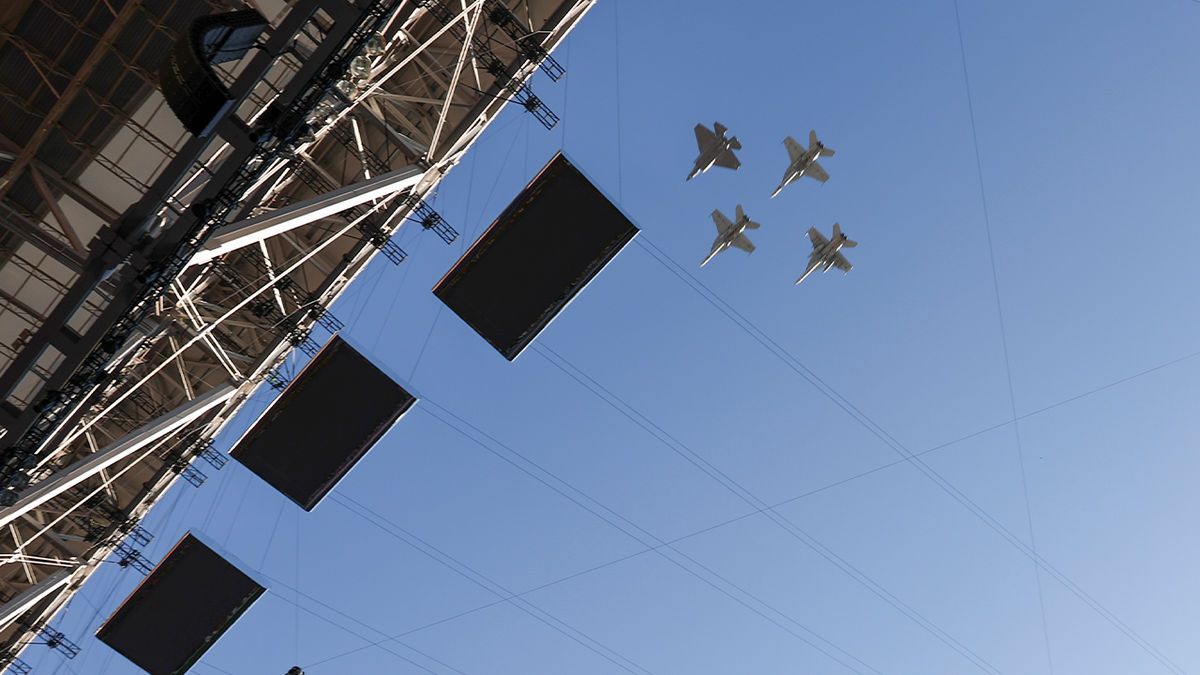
x=151, y=278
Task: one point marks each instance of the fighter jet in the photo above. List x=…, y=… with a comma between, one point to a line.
x=804, y=162
x=825, y=252
x=730, y=234
x=714, y=149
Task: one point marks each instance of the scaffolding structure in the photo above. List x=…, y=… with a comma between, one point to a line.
x=151, y=279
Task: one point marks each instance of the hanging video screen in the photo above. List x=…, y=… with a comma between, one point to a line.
x=552, y=240
x=323, y=423
x=180, y=610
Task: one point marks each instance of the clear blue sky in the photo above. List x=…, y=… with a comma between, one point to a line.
x=646, y=415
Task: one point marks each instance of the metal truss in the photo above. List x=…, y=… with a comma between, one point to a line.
x=198, y=291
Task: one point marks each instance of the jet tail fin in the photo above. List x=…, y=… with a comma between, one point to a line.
x=733, y=143
x=813, y=142
x=719, y=128
x=837, y=234
x=750, y=224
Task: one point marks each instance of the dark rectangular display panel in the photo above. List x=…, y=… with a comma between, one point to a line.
x=180, y=610
x=322, y=423
x=538, y=255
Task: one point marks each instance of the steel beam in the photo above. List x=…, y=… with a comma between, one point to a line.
x=252, y=230
x=13, y=609
x=61, y=217
x=80, y=471
x=73, y=190
x=374, y=114
x=468, y=41
x=18, y=224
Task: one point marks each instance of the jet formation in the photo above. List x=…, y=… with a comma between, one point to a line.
x=717, y=150
x=731, y=234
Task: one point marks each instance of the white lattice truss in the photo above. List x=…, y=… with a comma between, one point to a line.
x=309, y=224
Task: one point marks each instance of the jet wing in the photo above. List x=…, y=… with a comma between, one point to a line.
x=840, y=262
x=743, y=243
x=722, y=222
x=814, y=170
x=795, y=150
x=727, y=160
x=818, y=239
x=704, y=137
